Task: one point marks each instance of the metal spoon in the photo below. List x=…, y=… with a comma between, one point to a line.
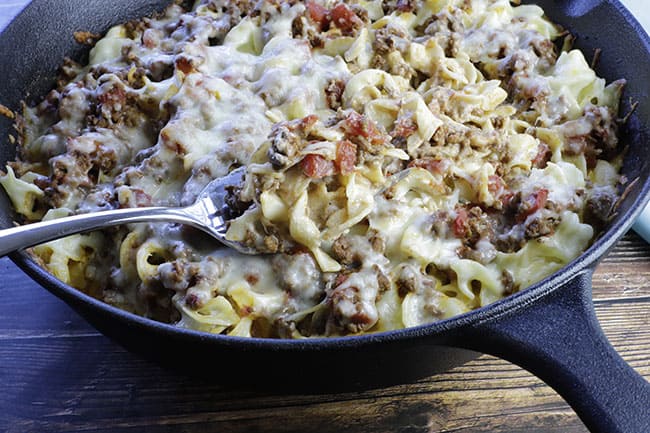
x=207, y=214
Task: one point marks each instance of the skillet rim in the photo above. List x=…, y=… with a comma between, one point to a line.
x=585, y=262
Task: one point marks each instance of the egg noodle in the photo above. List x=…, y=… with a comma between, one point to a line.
x=406, y=161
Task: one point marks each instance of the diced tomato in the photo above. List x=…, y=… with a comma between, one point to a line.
x=542, y=157
x=344, y=18
x=433, y=165
x=540, y=198
x=532, y=204
x=316, y=166
x=308, y=121
x=357, y=125
x=142, y=199
x=184, y=65
x=305, y=124
x=346, y=156
x=460, y=223
x=354, y=124
x=149, y=38
x=499, y=190
x=404, y=127
x=496, y=186
x=318, y=14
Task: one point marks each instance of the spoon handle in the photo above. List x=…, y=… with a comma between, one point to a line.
x=16, y=238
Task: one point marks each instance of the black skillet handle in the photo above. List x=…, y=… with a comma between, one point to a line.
x=558, y=339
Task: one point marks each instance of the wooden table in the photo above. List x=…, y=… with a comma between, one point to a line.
x=58, y=374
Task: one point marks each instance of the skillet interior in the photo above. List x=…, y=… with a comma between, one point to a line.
x=42, y=36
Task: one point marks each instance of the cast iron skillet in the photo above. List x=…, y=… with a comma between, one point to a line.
x=550, y=329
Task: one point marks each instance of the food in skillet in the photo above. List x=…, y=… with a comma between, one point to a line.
x=407, y=161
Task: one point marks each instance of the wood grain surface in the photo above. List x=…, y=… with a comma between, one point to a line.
x=59, y=375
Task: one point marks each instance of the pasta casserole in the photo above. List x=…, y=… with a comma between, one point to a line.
x=406, y=161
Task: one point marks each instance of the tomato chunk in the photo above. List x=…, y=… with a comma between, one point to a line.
x=344, y=18
x=316, y=166
x=532, y=204
x=308, y=121
x=404, y=127
x=497, y=187
x=433, y=165
x=460, y=223
x=357, y=125
x=346, y=156
x=543, y=156
x=319, y=14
